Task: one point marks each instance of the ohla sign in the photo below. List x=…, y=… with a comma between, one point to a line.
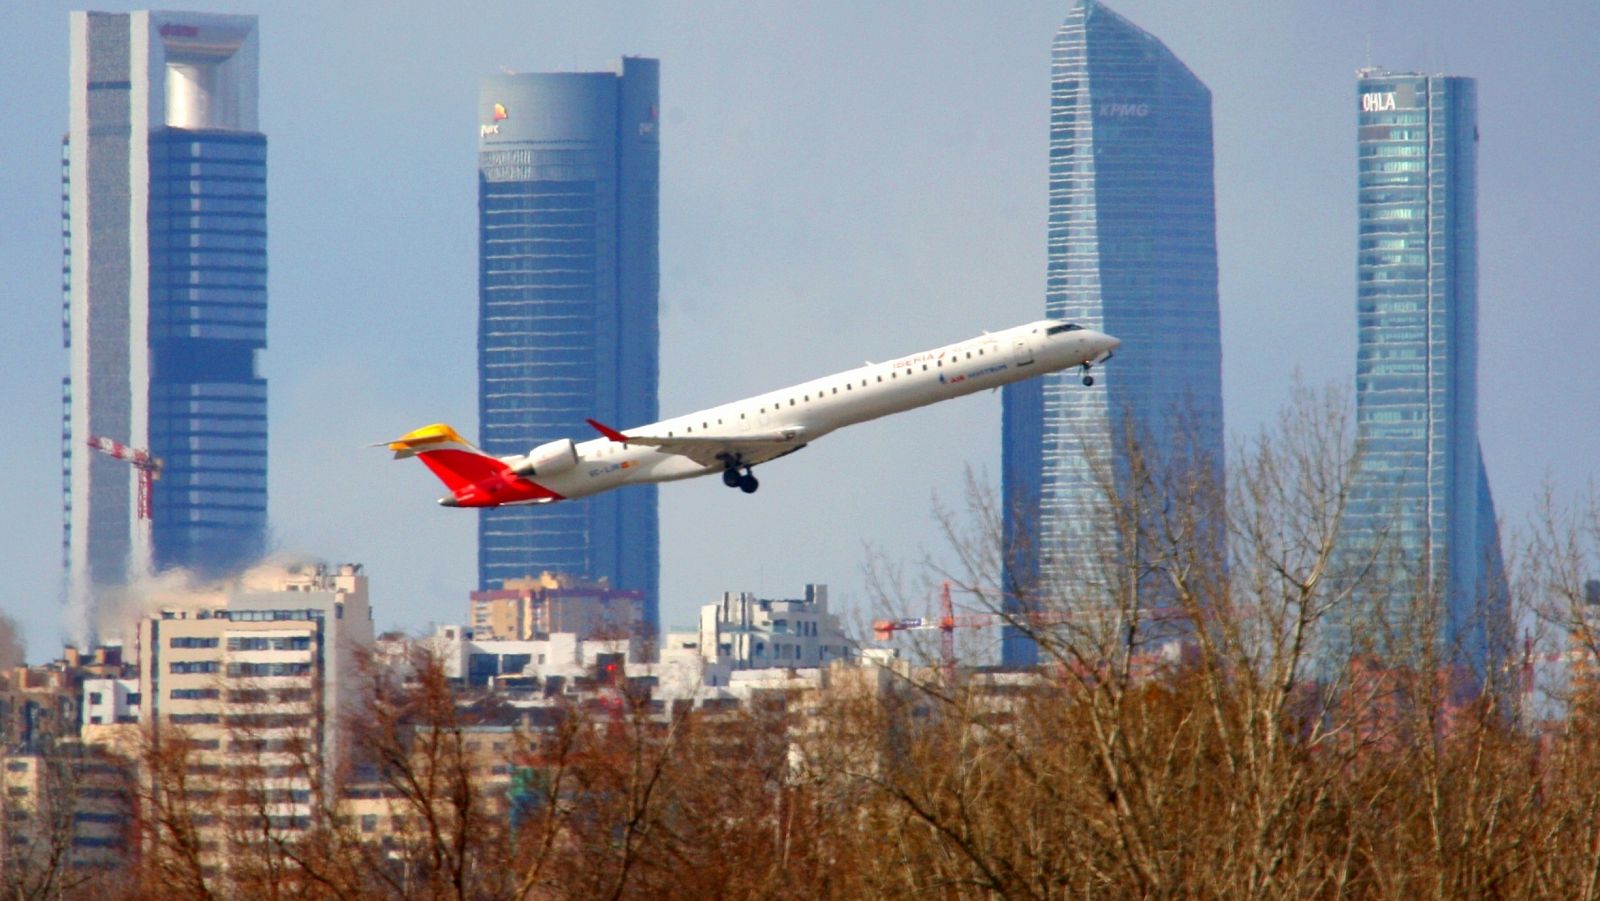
x=1379, y=102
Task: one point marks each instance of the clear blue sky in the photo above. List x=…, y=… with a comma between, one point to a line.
x=840, y=181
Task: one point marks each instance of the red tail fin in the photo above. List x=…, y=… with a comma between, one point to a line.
x=450, y=457
x=474, y=478
x=458, y=468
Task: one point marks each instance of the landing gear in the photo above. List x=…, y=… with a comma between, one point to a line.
x=1088, y=380
x=737, y=475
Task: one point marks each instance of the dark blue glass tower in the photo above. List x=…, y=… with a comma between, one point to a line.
x=568, y=175
x=1421, y=504
x=165, y=298
x=1132, y=251
x=208, y=319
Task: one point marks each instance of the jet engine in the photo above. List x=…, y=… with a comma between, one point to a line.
x=549, y=459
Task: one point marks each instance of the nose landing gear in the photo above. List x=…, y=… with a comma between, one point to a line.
x=1088, y=380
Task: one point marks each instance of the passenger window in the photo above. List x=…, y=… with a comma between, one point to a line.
x=924, y=367
x=836, y=391
x=880, y=378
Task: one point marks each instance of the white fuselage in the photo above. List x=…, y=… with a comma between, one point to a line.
x=807, y=411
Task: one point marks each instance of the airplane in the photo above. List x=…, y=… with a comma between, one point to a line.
x=735, y=438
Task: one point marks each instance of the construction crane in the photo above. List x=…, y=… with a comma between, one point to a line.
x=948, y=622
x=149, y=467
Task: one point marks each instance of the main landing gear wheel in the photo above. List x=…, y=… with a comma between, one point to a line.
x=737, y=475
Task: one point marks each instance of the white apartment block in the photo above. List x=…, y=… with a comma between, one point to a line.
x=110, y=702
x=264, y=675
x=742, y=631
x=560, y=654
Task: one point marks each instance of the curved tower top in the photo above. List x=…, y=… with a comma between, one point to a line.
x=1131, y=251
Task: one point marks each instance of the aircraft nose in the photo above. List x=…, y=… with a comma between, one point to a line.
x=1111, y=342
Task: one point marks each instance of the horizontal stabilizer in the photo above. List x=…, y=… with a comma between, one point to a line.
x=607, y=431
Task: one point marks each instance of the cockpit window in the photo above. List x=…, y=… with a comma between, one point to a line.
x=1064, y=327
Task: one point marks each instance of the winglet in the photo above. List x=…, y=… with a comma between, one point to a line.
x=608, y=431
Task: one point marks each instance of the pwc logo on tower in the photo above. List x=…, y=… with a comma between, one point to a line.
x=493, y=128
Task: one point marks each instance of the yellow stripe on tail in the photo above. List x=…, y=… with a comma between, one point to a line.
x=429, y=438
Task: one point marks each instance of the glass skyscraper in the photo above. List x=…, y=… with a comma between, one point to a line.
x=1422, y=497
x=165, y=297
x=568, y=174
x=1132, y=252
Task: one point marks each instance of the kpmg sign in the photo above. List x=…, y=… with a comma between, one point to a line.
x=1123, y=110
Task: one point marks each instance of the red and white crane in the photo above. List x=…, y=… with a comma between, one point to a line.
x=149, y=467
x=948, y=622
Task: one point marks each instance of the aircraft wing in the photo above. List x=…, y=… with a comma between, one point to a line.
x=750, y=448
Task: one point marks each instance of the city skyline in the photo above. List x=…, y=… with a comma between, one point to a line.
x=1133, y=252
x=810, y=188
x=568, y=193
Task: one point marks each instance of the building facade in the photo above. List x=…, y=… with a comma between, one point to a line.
x=259, y=683
x=741, y=631
x=546, y=664
x=165, y=298
x=1421, y=504
x=528, y=609
x=568, y=172
x=1132, y=251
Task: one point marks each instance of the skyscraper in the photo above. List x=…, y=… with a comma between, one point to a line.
x=164, y=183
x=1421, y=494
x=568, y=169
x=1132, y=251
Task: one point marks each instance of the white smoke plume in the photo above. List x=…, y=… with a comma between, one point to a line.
x=117, y=611
x=11, y=648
